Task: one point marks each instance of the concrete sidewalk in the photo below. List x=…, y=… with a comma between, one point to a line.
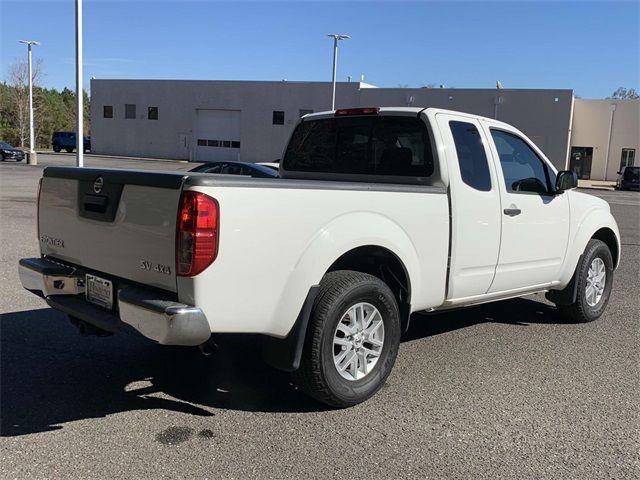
x=597, y=184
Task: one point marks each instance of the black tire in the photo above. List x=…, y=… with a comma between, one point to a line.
x=580, y=310
x=318, y=375
x=2, y=157
x=56, y=148
x=69, y=150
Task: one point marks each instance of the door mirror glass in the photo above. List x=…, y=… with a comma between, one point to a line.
x=566, y=180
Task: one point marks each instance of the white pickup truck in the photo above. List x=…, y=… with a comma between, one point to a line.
x=380, y=212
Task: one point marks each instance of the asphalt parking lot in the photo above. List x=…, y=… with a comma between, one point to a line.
x=506, y=390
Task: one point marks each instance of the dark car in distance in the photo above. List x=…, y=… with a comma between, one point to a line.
x=629, y=178
x=67, y=141
x=249, y=169
x=9, y=152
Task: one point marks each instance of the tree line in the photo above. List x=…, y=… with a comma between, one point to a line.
x=53, y=110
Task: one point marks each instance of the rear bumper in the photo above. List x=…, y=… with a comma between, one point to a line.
x=153, y=314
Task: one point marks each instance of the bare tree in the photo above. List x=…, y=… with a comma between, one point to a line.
x=19, y=79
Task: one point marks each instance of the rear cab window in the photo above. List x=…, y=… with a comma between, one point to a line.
x=382, y=148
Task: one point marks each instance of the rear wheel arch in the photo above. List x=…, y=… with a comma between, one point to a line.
x=385, y=265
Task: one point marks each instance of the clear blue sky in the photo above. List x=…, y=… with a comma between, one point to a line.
x=590, y=46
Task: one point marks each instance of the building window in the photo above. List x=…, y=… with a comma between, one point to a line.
x=235, y=144
x=213, y=143
x=153, y=113
x=304, y=112
x=226, y=144
x=129, y=110
x=278, y=117
x=202, y=142
x=107, y=111
x=628, y=157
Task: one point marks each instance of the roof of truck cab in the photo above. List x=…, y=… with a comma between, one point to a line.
x=403, y=111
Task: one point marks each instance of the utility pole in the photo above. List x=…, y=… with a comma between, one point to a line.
x=32, y=157
x=79, y=90
x=336, y=38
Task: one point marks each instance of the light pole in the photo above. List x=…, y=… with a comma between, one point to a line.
x=336, y=38
x=32, y=157
x=79, y=91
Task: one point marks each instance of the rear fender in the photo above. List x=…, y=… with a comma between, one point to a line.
x=341, y=235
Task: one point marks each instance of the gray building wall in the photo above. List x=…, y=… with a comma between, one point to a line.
x=177, y=101
x=544, y=115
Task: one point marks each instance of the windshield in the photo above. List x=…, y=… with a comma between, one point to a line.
x=5, y=145
x=632, y=173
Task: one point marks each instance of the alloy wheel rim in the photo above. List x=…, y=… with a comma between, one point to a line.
x=358, y=341
x=596, y=280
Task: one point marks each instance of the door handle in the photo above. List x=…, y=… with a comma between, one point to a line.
x=512, y=212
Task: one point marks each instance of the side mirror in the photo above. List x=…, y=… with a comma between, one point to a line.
x=566, y=180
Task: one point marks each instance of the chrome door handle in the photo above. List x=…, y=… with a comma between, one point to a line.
x=512, y=212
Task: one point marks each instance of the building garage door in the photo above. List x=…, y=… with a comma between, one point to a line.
x=217, y=135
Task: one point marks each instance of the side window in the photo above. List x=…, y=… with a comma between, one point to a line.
x=523, y=170
x=472, y=158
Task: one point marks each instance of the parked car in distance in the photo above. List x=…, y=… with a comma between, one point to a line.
x=9, y=152
x=67, y=141
x=629, y=178
x=274, y=165
x=248, y=169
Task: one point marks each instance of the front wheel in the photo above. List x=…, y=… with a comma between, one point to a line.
x=594, y=277
x=69, y=150
x=352, y=340
x=56, y=148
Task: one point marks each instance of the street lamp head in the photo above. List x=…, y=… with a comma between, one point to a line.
x=337, y=36
x=29, y=42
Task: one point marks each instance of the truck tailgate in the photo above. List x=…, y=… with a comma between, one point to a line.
x=120, y=222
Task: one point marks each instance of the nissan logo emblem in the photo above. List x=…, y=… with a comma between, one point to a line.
x=97, y=185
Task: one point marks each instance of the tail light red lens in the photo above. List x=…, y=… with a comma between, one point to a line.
x=197, y=233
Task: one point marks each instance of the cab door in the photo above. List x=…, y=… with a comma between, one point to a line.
x=535, y=221
x=475, y=206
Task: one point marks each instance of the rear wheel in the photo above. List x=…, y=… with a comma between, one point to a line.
x=56, y=148
x=69, y=150
x=352, y=340
x=594, y=277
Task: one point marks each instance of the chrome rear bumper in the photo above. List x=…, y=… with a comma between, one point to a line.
x=154, y=315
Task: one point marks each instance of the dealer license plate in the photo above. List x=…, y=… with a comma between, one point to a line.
x=99, y=291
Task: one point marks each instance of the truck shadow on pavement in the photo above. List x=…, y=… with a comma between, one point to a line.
x=50, y=375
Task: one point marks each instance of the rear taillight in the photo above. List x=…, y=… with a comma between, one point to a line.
x=196, y=233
